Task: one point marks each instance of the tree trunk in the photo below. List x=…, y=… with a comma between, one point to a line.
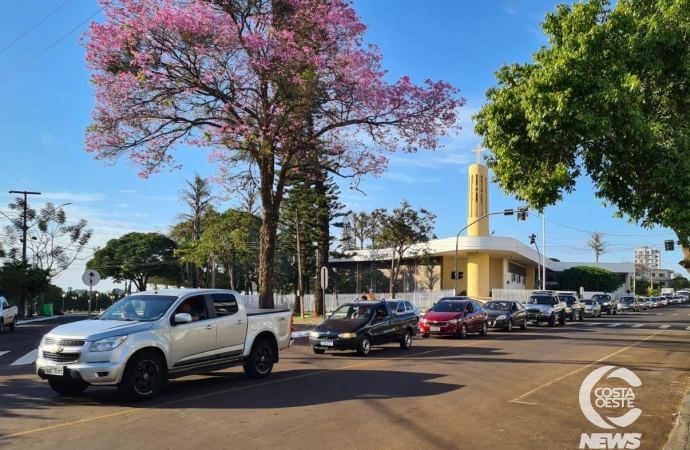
x=322, y=245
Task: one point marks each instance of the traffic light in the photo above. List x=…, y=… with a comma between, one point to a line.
x=668, y=245
x=460, y=274
x=532, y=239
x=456, y=275
x=522, y=213
x=452, y=275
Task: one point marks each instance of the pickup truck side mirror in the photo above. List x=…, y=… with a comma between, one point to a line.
x=183, y=318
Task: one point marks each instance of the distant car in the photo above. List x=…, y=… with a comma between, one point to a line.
x=592, y=308
x=455, y=316
x=664, y=301
x=629, y=303
x=609, y=305
x=649, y=304
x=505, y=314
x=403, y=307
x=656, y=301
x=676, y=300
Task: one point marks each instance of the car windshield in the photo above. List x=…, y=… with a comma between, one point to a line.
x=353, y=312
x=139, y=307
x=448, y=307
x=497, y=306
x=539, y=300
x=569, y=299
x=588, y=302
x=600, y=297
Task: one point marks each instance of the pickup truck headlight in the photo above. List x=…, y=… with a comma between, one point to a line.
x=103, y=345
x=43, y=339
x=313, y=335
x=347, y=335
x=501, y=317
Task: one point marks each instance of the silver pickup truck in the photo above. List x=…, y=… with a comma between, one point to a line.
x=8, y=315
x=148, y=338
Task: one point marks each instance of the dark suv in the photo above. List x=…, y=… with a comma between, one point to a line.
x=609, y=305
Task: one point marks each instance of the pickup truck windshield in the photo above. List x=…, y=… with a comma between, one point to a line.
x=569, y=299
x=353, y=312
x=539, y=300
x=144, y=308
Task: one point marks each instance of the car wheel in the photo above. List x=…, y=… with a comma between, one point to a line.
x=13, y=325
x=561, y=320
x=600, y=314
x=318, y=351
x=2, y=325
x=524, y=324
x=67, y=387
x=463, y=331
x=572, y=316
x=406, y=341
x=260, y=361
x=582, y=315
x=485, y=329
x=608, y=311
x=143, y=378
x=615, y=311
x=509, y=327
x=552, y=320
x=425, y=336
x=364, y=347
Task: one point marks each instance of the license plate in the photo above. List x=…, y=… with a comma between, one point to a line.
x=54, y=370
x=434, y=328
x=327, y=343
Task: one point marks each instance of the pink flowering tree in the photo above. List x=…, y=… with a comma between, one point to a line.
x=264, y=85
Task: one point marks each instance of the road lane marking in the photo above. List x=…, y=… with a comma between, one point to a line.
x=2, y=353
x=517, y=400
x=614, y=325
x=240, y=388
x=663, y=327
x=29, y=358
x=638, y=325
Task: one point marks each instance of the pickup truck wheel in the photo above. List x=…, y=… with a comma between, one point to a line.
x=67, y=387
x=13, y=325
x=318, y=351
x=2, y=325
x=485, y=329
x=524, y=324
x=561, y=319
x=572, y=316
x=406, y=341
x=261, y=359
x=364, y=347
x=143, y=378
x=582, y=315
x=509, y=327
x=552, y=320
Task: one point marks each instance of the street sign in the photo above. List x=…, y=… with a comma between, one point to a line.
x=324, y=277
x=91, y=277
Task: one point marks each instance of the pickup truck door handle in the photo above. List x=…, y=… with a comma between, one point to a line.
x=209, y=327
x=240, y=321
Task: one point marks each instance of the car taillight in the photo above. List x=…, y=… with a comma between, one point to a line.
x=292, y=322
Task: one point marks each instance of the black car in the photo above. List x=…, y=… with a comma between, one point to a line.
x=609, y=305
x=506, y=314
x=358, y=326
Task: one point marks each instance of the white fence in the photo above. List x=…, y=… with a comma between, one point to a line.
x=511, y=294
x=422, y=299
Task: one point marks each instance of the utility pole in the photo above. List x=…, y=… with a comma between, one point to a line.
x=299, y=269
x=22, y=305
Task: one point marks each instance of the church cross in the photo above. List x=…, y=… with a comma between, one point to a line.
x=479, y=151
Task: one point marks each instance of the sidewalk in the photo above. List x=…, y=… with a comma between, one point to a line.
x=679, y=439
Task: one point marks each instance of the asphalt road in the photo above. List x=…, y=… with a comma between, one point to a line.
x=514, y=390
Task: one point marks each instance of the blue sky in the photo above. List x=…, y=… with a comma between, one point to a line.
x=46, y=101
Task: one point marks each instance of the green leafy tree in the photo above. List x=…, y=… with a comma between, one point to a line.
x=641, y=286
x=404, y=232
x=680, y=283
x=137, y=257
x=591, y=278
x=609, y=99
x=21, y=281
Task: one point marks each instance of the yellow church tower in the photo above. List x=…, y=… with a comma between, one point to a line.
x=478, y=206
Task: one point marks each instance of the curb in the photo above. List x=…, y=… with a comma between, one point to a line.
x=41, y=319
x=679, y=439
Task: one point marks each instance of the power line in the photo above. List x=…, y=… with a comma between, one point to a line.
x=31, y=29
x=50, y=46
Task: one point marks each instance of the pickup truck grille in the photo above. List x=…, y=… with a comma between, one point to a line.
x=64, y=342
x=61, y=357
x=436, y=324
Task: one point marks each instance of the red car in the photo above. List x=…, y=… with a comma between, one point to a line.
x=455, y=316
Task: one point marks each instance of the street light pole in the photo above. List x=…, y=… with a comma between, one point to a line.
x=505, y=212
x=533, y=240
